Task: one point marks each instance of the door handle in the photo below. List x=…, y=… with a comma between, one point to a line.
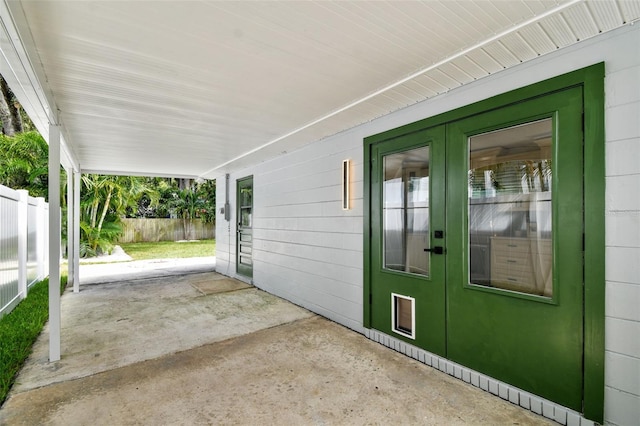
x=436, y=250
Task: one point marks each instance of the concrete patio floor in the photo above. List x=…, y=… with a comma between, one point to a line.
x=184, y=345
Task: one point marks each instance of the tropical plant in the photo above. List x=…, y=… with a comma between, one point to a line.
x=169, y=191
x=103, y=202
x=24, y=163
x=185, y=203
x=207, y=191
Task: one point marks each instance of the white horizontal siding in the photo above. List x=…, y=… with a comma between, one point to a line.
x=313, y=257
x=623, y=229
x=303, y=289
x=316, y=239
x=622, y=336
x=623, y=372
x=621, y=408
x=225, y=230
x=309, y=251
x=306, y=248
x=623, y=302
x=622, y=266
x=623, y=157
x=621, y=121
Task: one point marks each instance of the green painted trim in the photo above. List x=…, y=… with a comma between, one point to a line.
x=243, y=270
x=366, y=233
x=594, y=253
x=498, y=291
x=591, y=79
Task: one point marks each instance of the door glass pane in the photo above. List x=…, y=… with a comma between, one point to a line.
x=245, y=203
x=245, y=217
x=405, y=207
x=245, y=223
x=510, y=175
x=246, y=195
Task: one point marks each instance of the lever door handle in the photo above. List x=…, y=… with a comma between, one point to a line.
x=436, y=250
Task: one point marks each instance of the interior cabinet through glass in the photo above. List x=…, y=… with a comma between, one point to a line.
x=510, y=226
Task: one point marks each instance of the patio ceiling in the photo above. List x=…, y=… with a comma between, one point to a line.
x=196, y=88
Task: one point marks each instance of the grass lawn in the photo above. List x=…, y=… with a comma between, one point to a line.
x=170, y=249
x=19, y=330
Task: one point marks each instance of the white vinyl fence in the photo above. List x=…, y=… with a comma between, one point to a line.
x=24, y=233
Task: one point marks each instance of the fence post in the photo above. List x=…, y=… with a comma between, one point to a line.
x=47, y=226
x=23, y=233
x=41, y=236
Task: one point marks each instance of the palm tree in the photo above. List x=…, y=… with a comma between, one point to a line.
x=24, y=162
x=186, y=203
x=104, y=201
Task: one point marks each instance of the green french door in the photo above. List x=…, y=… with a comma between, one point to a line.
x=476, y=243
x=244, y=240
x=407, y=213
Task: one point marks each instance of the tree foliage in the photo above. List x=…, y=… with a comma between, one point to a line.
x=104, y=200
x=183, y=199
x=24, y=163
x=107, y=199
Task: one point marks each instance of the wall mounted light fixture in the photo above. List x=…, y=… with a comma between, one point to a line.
x=345, y=184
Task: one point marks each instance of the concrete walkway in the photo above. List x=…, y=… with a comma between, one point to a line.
x=184, y=345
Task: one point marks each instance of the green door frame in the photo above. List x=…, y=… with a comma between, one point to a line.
x=591, y=81
x=244, y=234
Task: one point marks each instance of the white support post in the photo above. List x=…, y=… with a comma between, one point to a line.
x=70, y=228
x=54, y=243
x=23, y=234
x=41, y=237
x=76, y=232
